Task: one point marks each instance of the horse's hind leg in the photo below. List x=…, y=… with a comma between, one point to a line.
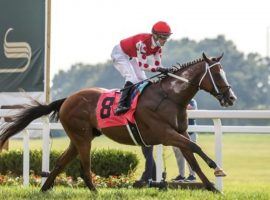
x=82, y=140
x=61, y=162
x=84, y=153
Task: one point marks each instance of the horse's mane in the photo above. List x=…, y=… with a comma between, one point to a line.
x=186, y=65
x=179, y=67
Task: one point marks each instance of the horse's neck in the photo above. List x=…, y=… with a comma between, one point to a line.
x=181, y=91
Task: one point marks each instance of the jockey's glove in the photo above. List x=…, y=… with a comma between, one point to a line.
x=164, y=70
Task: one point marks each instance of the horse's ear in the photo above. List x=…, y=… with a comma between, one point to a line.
x=206, y=59
x=219, y=58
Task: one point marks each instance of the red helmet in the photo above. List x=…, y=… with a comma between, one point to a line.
x=161, y=28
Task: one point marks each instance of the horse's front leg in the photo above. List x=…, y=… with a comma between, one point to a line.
x=189, y=156
x=188, y=147
x=181, y=140
x=218, y=171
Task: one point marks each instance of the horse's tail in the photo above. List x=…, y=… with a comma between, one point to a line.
x=26, y=116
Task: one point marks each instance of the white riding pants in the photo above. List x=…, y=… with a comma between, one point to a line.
x=128, y=67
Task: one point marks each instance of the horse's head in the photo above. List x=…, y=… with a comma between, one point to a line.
x=214, y=81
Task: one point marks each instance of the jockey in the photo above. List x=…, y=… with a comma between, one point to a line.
x=130, y=58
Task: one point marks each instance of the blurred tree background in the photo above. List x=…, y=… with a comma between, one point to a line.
x=249, y=75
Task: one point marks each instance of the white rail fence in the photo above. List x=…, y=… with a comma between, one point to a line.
x=217, y=128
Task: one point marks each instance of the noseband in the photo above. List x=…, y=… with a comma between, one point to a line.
x=217, y=90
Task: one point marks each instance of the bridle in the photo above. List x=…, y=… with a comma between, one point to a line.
x=217, y=90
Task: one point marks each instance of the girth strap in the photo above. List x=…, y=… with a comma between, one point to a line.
x=135, y=134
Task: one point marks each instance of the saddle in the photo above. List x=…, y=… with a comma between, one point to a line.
x=108, y=102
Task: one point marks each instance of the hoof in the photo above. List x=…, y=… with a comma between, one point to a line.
x=139, y=184
x=212, y=189
x=44, y=189
x=94, y=190
x=220, y=173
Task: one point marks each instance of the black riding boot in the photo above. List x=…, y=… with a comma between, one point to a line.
x=124, y=105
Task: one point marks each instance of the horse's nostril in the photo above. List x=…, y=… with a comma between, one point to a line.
x=232, y=98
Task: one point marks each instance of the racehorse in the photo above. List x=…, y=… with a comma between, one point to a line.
x=161, y=117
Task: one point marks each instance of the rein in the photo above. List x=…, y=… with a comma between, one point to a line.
x=216, y=93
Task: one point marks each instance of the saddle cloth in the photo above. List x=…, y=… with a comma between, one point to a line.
x=107, y=104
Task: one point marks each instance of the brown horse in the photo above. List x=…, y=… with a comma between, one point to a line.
x=160, y=115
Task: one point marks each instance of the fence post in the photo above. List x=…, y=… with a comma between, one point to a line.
x=26, y=162
x=159, y=162
x=45, y=148
x=218, y=149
